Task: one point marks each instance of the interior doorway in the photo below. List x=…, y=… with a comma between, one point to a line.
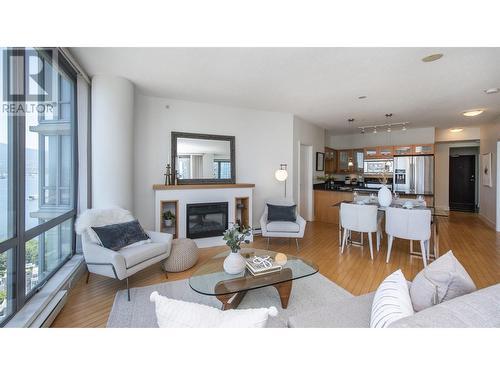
x=305, y=195
x=463, y=179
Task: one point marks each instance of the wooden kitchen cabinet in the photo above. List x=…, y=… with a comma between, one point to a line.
x=371, y=152
x=330, y=160
x=343, y=160
x=324, y=201
x=385, y=152
x=358, y=158
x=402, y=150
x=427, y=149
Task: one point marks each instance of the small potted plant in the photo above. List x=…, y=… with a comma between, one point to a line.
x=234, y=237
x=168, y=218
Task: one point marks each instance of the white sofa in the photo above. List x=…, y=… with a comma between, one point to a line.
x=127, y=261
x=282, y=229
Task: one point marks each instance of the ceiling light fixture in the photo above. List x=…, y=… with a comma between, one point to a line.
x=472, y=112
x=432, y=57
x=350, y=120
x=456, y=130
x=362, y=97
x=386, y=126
x=404, y=128
x=493, y=90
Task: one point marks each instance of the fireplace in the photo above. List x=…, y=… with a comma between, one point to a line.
x=206, y=219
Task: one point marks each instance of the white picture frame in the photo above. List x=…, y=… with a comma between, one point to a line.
x=486, y=170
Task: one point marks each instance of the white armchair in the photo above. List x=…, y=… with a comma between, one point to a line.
x=123, y=263
x=283, y=229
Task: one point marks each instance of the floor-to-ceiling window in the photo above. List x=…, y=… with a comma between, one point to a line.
x=37, y=171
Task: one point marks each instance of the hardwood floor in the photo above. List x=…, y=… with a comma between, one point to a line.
x=475, y=245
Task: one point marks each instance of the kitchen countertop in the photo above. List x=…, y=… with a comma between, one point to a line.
x=351, y=188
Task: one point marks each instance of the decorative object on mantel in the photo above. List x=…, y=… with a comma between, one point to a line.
x=168, y=175
x=486, y=170
x=234, y=236
x=384, y=194
x=168, y=218
x=282, y=174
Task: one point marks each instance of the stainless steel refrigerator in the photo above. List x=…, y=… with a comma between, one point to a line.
x=414, y=174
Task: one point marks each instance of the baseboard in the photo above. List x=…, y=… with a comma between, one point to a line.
x=443, y=208
x=488, y=222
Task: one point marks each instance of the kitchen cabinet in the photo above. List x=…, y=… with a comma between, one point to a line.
x=358, y=158
x=423, y=149
x=385, y=152
x=330, y=160
x=324, y=201
x=343, y=160
x=378, y=152
x=402, y=150
x=371, y=152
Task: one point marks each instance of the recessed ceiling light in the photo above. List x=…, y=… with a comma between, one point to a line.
x=432, y=58
x=493, y=90
x=456, y=130
x=362, y=97
x=473, y=112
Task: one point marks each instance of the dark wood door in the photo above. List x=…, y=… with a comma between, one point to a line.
x=462, y=182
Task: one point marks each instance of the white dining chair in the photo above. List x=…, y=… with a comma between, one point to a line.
x=413, y=225
x=362, y=218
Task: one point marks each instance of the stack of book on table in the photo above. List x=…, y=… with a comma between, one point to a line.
x=262, y=265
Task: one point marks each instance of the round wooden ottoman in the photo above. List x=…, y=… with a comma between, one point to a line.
x=183, y=255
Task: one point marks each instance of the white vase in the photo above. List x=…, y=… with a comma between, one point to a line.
x=234, y=263
x=384, y=196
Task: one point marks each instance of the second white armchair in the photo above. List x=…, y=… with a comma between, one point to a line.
x=282, y=228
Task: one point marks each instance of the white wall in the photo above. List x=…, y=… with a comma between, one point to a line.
x=382, y=138
x=308, y=134
x=490, y=134
x=442, y=171
x=264, y=140
x=112, y=149
x=469, y=132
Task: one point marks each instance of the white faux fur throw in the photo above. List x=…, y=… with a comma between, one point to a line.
x=98, y=217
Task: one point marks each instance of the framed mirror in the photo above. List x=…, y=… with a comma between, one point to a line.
x=203, y=158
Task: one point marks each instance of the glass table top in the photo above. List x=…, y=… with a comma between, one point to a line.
x=210, y=278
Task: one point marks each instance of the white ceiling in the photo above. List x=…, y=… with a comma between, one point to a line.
x=320, y=85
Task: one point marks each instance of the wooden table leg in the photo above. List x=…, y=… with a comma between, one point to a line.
x=231, y=301
x=284, y=290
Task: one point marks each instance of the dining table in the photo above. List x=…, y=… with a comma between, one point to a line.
x=398, y=203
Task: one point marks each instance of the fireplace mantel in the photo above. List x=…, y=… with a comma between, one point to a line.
x=177, y=197
x=204, y=186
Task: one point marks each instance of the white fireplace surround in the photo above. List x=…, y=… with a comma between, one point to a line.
x=196, y=194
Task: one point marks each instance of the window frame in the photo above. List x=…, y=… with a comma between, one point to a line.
x=20, y=236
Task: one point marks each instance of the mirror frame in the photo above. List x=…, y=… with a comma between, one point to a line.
x=202, y=181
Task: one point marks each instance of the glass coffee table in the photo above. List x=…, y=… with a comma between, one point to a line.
x=210, y=278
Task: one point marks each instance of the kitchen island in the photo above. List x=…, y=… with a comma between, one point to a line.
x=326, y=198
